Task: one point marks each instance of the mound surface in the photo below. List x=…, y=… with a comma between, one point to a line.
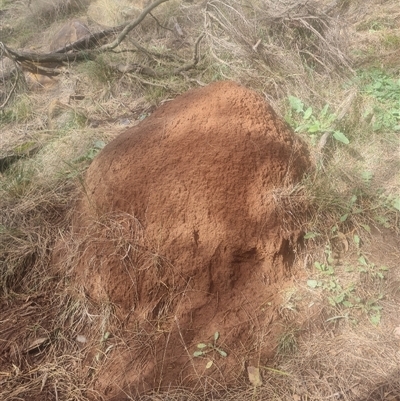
x=180, y=234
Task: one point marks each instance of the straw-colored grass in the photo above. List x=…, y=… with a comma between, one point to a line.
x=52, y=338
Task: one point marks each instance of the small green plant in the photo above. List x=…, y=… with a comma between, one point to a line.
x=324, y=268
x=384, y=90
x=351, y=208
x=371, y=308
x=346, y=296
x=311, y=235
x=338, y=295
x=364, y=266
x=341, y=296
x=205, y=348
x=314, y=125
x=371, y=269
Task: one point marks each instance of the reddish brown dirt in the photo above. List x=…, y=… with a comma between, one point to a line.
x=180, y=234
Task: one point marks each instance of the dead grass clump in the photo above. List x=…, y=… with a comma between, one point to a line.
x=44, y=11
x=54, y=341
x=286, y=43
x=31, y=217
x=338, y=363
x=51, y=343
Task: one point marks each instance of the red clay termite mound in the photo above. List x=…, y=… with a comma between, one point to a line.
x=183, y=237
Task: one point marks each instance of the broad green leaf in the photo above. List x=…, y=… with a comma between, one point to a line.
x=339, y=136
x=362, y=261
x=316, y=127
x=344, y=217
x=99, y=144
x=339, y=298
x=330, y=270
x=356, y=239
x=198, y=353
x=324, y=111
x=353, y=199
x=307, y=113
x=216, y=336
x=201, y=345
x=332, y=301
x=367, y=176
x=312, y=283
x=318, y=266
x=209, y=364
x=366, y=227
x=375, y=319
x=310, y=235
x=296, y=104
x=222, y=353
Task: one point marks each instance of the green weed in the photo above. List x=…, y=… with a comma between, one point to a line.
x=346, y=296
x=303, y=119
x=205, y=348
x=384, y=91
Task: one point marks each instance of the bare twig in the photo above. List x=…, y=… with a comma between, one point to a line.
x=62, y=55
x=159, y=24
x=11, y=91
x=17, y=77
x=130, y=26
x=195, y=59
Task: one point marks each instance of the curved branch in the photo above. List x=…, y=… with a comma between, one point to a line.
x=61, y=55
x=130, y=26
x=195, y=59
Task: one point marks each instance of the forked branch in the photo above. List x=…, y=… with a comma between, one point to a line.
x=80, y=49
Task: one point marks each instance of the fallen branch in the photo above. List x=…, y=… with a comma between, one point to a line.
x=130, y=26
x=70, y=53
x=195, y=59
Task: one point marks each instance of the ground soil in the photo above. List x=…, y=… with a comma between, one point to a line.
x=179, y=232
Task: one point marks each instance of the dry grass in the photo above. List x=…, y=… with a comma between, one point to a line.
x=279, y=48
x=31, y=215
x=45, y=11
x=286, y=48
